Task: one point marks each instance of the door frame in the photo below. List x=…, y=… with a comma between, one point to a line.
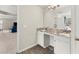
x=73, y=29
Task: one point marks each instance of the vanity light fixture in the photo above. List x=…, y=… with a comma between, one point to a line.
x=53, y=6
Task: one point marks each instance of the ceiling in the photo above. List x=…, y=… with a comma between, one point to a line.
x=43, y=6
x=59, y=10
x=12, y=9
x=8, y=11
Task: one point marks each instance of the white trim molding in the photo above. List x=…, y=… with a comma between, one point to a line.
x=19, y=51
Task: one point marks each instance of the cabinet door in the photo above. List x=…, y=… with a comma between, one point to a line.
x=52, y=40
x=40, y=38
x=62, y=45
x=46, y=40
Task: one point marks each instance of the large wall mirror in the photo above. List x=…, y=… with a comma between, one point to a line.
x=63, y=19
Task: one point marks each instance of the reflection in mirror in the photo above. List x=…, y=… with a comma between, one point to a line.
x=67, y=21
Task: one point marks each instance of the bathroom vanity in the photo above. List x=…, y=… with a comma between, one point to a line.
x=43, y=39
x=60, y=34
x=60, y=42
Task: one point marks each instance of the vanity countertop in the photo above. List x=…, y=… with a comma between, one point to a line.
x=51, y=31
x=77, y=39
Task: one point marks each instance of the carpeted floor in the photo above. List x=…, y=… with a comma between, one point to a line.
x=8, y=43
x=38, y=50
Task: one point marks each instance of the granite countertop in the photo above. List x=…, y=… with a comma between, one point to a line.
x=52, y=31
x=77, y=39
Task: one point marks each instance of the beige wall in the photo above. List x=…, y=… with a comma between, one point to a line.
x=9, y=8
x=29, y=19
x=8, y=23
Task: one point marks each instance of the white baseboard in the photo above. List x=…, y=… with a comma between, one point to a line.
x=26, y=48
